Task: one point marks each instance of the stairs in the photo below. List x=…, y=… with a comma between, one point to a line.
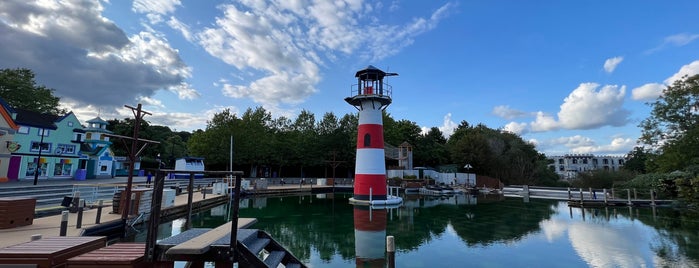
x=259, y=249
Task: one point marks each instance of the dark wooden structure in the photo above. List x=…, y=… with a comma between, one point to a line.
x=50, y=251
x=16, y=211
x=119, y=255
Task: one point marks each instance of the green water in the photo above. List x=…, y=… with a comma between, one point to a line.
x=464, y=231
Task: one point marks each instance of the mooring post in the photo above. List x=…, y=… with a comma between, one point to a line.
x=581, y=196
x=391, y=250
x=634, y=194
x=604, y=191
x=35, y=237
x=628, y=194
x=99, y=212
x=613, y=193
x=79, y=223
x=190, y=196
x=592, y=195
x=570, y=196
x=233, y=249
x=652, y=197
x=371, y=194
x=64, y=223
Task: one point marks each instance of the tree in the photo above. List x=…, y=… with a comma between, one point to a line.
x=17, y=84
x=672, y=129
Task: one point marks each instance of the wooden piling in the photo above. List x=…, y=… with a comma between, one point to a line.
x=391, y=251
x=570, y=196
x=628, y=194
x=64, y=223
x=99, y=212
x=79, y=223
x=604, y=191
x=652, y=197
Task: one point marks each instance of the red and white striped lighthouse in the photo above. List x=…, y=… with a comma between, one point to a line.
x=371, y=96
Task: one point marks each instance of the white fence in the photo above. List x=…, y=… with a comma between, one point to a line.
x=468, y=179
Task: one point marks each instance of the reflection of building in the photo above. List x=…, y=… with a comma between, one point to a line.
x=370, y=236
x=568, y=166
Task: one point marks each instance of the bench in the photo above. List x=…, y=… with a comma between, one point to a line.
x=202, y=243
x=114, y=256
x=51, y=251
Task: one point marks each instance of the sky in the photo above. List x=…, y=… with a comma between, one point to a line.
x=571, y=77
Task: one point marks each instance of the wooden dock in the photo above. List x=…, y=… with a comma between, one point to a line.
x=50, y=251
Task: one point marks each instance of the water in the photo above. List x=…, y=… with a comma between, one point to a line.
x=464, y=231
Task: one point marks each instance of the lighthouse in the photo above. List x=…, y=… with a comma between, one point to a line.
x=371, y=96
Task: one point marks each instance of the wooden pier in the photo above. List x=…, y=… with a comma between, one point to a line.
x=586, y=197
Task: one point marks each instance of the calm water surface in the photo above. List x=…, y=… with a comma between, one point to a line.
x=466, y=231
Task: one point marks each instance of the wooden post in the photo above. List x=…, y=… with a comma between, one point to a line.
x=613, y=193
x=628, y=193
x=190, y=195
x=233, y=249
x=154, y=221
x=591, y=194
x=604, y=191
x=581, y=196
x=99, y=212
x=64, y=223
x=652, y=197
x=570, y=196
x=634, y=194
x=79, y=223
x=391, y=250
x=35, y=237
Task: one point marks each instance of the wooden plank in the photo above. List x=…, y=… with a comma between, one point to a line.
x=116, y=255
x=50, y=251
x=201, y=244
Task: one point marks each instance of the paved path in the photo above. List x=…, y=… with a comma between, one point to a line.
x=50, y=226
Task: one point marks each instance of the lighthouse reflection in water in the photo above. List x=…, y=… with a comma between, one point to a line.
x=370, y=236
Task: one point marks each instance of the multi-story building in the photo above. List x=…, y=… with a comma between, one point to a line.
x=46, y=146
x=568, y=166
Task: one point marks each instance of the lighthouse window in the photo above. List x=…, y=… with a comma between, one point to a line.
x=367, y=140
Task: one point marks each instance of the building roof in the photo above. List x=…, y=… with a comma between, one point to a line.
x=35, y=119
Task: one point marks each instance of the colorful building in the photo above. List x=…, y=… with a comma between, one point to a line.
x=96, y=151
x=47, y=146
x=8, y=128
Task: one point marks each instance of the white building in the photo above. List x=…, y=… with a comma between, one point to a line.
x=568, y=166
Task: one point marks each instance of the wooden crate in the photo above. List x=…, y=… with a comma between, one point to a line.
x=119, y=255
x=51, y=251
x=16, y=211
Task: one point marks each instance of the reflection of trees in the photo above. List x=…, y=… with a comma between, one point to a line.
x=301, y=223
x=509, y=219
x=678, y=233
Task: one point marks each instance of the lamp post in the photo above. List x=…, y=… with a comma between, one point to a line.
x=38, y=160
x=468, y=167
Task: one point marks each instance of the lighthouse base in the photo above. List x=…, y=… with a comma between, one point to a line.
x=390, y=201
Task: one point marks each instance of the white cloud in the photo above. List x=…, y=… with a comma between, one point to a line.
x=155, y=9
x=652, y=91
x=181, y=27
x=285, y=42
x=579, y=144
x=106, y=67
x=646, y=92
x=448, y=126
x=689, y=70
x=611, y=64
x=588, y=108
x=544, y=122
x=516, y=128
x=506, y=112
x=676, y=40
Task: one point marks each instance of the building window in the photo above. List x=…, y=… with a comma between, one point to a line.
x=45, y=147
x=78, y=137
x=31, y=168
x=621, y=161
x=594, y=162
x=585, y=161
x=42, y=132
x=70, y=124
x=103, y=168
x=367, y=140
x=560, y=168
x=23, y=130
x=605, y=161
x=62, y=169
x=560, y=161
x=575, y=161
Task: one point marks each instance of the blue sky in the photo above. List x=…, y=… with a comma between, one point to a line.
x=569, y=76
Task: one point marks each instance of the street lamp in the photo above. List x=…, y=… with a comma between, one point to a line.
x=468, y=177
x=38, y=160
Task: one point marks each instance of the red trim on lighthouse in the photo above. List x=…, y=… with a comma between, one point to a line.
x=363, y=182
x=375, y=132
